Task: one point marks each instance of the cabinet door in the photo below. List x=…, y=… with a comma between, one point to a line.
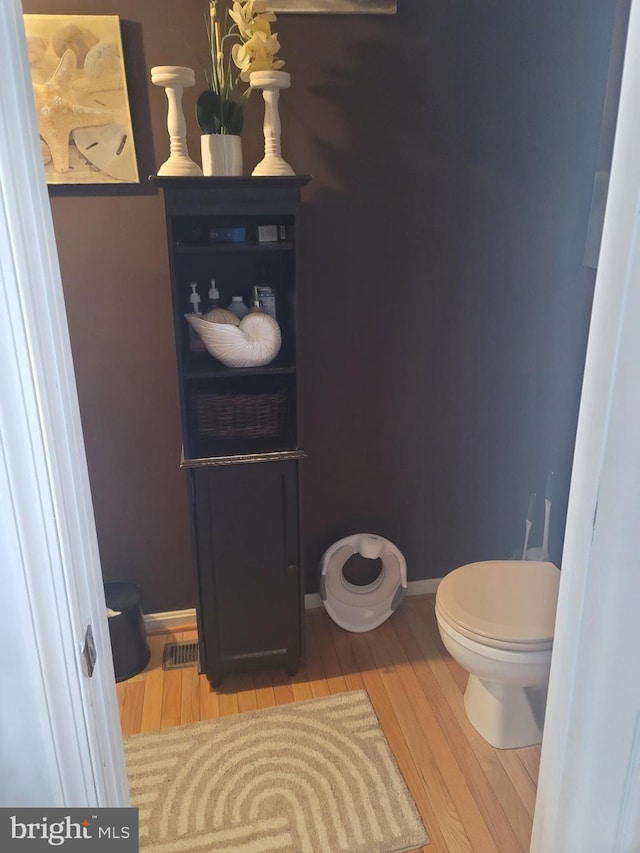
x=248, y=565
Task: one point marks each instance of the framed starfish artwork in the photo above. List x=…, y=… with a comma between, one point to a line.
x=81, y=98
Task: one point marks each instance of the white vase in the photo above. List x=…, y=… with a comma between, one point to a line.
x=221, y=154
x=271, y=82
x=174, y=78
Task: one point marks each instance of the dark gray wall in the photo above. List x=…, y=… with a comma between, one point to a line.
x=444, y=305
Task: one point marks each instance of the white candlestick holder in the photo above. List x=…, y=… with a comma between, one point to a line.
x=271, y=82
x=174, y=79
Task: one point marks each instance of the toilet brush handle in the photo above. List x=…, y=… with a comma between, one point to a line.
x=545, y=531
x=527, y=528
x=547, y=514
x=528, y=524
x=548, y=492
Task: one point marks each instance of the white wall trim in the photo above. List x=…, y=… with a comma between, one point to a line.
x=174, y=618
x=169, y=619
x=428, y=586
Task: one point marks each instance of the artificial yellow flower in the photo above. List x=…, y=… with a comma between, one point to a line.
x=257, y=54
x=251, y=16
x=252, y=48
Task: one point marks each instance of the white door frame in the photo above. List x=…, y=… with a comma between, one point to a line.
x=589, y=785
x=60, y=735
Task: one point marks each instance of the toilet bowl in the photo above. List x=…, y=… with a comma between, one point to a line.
x=496, y=619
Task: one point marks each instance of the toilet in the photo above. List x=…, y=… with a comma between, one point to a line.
x=496, y=619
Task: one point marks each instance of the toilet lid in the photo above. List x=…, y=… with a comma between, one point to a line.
x=512, y=601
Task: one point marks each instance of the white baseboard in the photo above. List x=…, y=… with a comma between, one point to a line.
x=169, y=619
x=428, y=586
x=423, y=587
x=176, y=618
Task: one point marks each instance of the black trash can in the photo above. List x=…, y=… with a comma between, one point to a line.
x=129, y=645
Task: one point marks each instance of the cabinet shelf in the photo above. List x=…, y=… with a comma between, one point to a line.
x=205, y=366
x=250, y=187
x=242, y=458
x=221, y=372
x=234, y=248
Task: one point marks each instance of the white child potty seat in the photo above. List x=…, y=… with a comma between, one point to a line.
x=362, y=608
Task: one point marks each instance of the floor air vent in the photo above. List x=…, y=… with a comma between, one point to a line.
x=179, y=655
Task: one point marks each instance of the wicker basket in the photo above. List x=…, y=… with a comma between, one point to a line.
x=239, y=415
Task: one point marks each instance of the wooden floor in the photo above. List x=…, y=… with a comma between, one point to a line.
x=471, y=796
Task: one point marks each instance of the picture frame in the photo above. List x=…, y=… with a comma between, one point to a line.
x=335, y=7
x=82, y=101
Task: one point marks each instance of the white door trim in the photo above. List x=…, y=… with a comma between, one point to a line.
x=593, y=693
x=62, y=725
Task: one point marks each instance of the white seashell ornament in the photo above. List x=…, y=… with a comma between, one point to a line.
x=221, y=315
x=252, y=343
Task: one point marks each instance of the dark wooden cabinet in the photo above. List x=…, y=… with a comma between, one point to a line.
x=241, y=448
x=246, y=525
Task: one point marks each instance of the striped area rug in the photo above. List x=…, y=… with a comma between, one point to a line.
x=311, y=777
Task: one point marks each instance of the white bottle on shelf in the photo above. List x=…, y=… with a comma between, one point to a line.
x=238, y=307
x=214, y=295
x=195, y=341
x=194, y=298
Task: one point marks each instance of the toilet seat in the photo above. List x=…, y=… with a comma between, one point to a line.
x=362, y=608
x=505, y=604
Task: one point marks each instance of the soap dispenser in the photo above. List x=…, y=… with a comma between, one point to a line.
x=255, y=302
x=194, y=298
x=195, y=341
x=214, y=295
